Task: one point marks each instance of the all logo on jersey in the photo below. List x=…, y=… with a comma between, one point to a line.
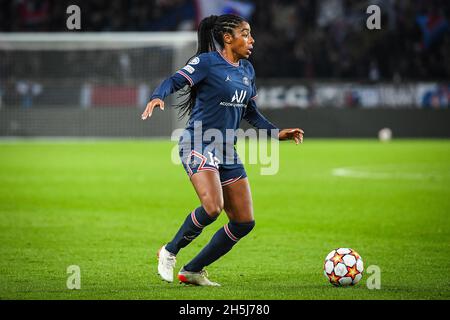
x=239, y=97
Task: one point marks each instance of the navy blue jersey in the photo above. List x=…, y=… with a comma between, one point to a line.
x=226, y=93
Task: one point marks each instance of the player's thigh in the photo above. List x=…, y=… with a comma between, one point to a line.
x=238, y=201
x=209, y=191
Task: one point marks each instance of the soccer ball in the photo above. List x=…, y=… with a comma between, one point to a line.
x=343, y=267
x=385, y=135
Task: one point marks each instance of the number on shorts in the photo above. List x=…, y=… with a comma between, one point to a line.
x=214, y=161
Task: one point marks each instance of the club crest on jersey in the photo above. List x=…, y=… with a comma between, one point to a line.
x=246, y=81
x=239, y=98
x=194, y=61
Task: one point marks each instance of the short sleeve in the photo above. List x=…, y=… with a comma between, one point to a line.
x=196, y=69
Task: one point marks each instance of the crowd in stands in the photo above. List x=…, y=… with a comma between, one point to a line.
x=307, y=39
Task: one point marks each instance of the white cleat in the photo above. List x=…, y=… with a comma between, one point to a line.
x=196, y=278
x=166, y=263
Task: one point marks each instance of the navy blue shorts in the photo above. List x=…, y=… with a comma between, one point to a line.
x=208, y=160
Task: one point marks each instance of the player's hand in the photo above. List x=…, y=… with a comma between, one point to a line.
x=150, y=106
x=295, y=134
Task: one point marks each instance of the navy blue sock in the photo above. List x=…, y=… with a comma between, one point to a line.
x=222, y=242
x=190, y=229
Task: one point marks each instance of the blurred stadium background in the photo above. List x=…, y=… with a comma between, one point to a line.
x=317, y=65
x=106, y=205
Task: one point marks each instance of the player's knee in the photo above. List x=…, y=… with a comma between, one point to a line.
x=213, y=206
x=241, y=229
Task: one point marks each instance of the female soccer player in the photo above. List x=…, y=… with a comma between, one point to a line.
x=221, y=92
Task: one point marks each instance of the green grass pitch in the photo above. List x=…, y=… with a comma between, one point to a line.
x=108, y=205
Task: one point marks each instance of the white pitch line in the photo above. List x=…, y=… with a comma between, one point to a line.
x=361, y=174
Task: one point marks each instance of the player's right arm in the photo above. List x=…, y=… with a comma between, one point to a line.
x=191, y=74
x=150, y=106
x=167, y=87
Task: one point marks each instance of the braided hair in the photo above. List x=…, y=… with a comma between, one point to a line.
x=210, y=32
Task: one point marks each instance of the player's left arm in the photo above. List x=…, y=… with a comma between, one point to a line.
x=295, y=134
x=256, y=119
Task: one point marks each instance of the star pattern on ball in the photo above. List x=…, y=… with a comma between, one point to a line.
x=334, y=278
x=355, y=254
x=343, y=267
x=352, y=272
x=337, y=258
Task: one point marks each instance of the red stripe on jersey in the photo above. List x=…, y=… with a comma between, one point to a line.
x=198, y=154
x=186, y=76
x=208, y=169
x=230, y=181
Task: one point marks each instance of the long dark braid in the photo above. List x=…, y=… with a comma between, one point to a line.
x=210, y=31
